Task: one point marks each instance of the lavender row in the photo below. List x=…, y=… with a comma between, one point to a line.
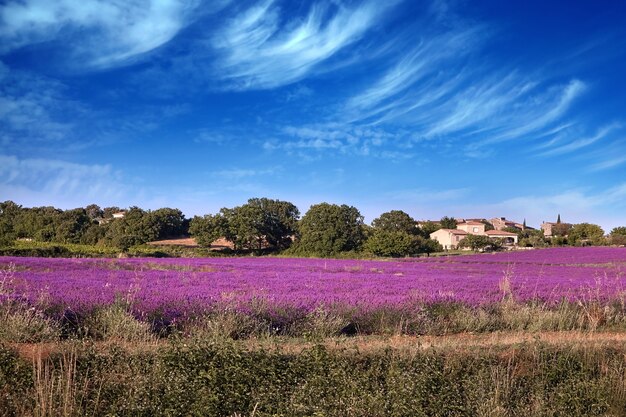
x=185, y=286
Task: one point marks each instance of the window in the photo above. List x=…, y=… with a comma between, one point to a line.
x=475, y=229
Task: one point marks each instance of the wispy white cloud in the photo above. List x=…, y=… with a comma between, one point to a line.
x=336, y=137
x=38, y=181
x=99, y=34
x=539, y=111
x=576, y=144
x=609, y=163
x=440, y=91
x=414, y=67
x=240, y=173
x=257, y=50
x=574, y=205
x=34, y=108
x=428, y=196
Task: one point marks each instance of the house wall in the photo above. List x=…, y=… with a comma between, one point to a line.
x=505, y=237
x=547, y=229
x=474, y=229
x=446, y=238
x=443, y=237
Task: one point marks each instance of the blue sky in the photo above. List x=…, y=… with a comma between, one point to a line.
x=467, y=109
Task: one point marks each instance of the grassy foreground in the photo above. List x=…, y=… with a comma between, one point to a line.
x=582, y=375
x=509, y=360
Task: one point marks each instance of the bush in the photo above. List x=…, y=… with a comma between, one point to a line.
x=392, y=243
x=19, y=321
x=197, y=377
x=116, y=322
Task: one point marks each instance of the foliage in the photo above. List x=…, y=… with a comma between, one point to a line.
x=561, y=229
x=327, y=229
x=586, y=233
x=448, y=222
x=621, y=231
x=71, y=226
x=217, y=378
x=167, y=222
x=262, y=221
x=116, y=322
x=618, y=236
x=477, y=242
x=429, y=227
x=531, y=238
x=209, y=228
x=396, y=221
x=393, y=243
x=488, y=226
x=94, y=211
x=91, y=225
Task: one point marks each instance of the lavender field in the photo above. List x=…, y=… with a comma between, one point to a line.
x=178, y=288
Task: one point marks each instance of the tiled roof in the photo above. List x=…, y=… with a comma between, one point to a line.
x=471, y=222
x=456, y=231
x=499, y=233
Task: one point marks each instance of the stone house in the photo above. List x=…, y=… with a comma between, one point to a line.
x=449, y=238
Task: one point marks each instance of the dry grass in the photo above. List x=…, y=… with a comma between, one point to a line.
x=190, y=242
x=365, y=344
x=187, y=242
x=456, y=342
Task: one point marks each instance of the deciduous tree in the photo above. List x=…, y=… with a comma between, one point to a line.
x=586, y=233
x=328, y=229
x=396, y=221
x=447, y=222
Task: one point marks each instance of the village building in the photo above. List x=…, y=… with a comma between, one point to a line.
x=508, y=238
x=501, y=223
x=549, y=228
x=448, y=238
x=471, y=226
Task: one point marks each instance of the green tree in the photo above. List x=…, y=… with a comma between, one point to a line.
x=94, y=211
x=618, y=236
x=133, y=229
x=396, y=221
x=166, y=222
x=561, y=229
x=9, y=212
x=39, y=223
x=93, y=234
x=262, y=222
x=71, y=226
x=586, y=233
x=531, y=238
x=488, y=226
x=476, y=242
x=207, y=229
x=107, y=212
x=430, y=246
x=328, y=229
x=429, y=227
x=393, y=243
x=448, y=222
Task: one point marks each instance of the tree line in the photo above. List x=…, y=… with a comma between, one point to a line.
x=265, y=225
x=90, y=225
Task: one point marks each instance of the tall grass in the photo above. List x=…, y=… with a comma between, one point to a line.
x=194, y=377
x=20, y=321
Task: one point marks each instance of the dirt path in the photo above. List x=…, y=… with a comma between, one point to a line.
x=460, y=342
